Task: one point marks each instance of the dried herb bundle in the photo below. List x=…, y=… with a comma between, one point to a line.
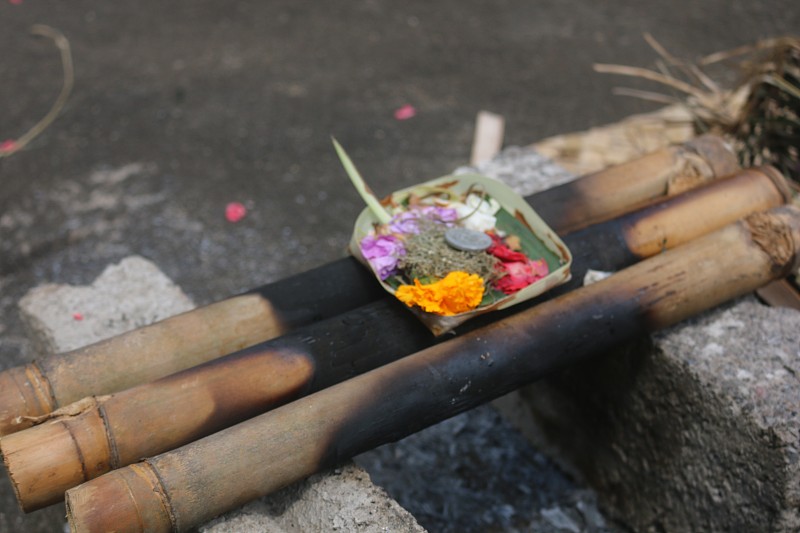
x=429, y=256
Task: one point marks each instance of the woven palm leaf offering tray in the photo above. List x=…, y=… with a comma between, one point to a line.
x=456, y=247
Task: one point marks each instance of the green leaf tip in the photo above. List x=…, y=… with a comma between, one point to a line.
x=361, y=186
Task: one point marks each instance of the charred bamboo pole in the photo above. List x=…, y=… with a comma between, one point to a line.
x=188, y=486
x=678, y=219
x=143, y=421
x=609, y=193
x=35, y=390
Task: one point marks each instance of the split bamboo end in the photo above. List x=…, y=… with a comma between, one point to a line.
x=24, y=396
x=113, y=503
x=777, y=234
x=46, y=460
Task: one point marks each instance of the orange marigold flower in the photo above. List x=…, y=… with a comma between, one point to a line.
x=457, y=293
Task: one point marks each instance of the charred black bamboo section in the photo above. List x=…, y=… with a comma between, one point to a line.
x=181, y=489
x=150, y=418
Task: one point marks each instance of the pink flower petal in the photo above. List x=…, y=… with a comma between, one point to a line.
x=405, y=112
x=235, y=211
x=15, y=2
x=9, y=145
x=77, y=316
x=520, y=274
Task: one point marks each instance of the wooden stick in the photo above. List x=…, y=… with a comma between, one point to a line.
x=153, y=418
x=780, y=293
x=32, y=391
x=188, y=486
x=488, y=139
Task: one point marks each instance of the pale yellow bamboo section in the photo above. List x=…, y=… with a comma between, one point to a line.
x=604, y=146
x=139, y=356
x=679, y=219
x=117, y=430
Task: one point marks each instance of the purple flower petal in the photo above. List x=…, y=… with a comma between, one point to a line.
x=382, y=252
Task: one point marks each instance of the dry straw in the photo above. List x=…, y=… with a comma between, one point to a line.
x=62, y=44
x=760, y=112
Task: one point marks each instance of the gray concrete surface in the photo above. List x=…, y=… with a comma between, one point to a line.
x=126, y=296
x=135, y=293
x=342, y=500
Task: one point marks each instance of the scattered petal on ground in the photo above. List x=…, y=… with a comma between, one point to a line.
x=15, y=2
x=235, y=211
x=9, y=145
x=77, y=316
x=405, y=112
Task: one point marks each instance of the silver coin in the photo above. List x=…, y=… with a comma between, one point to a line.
x=467, y=240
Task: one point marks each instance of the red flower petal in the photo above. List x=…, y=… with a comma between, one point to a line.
x=520, y=274
x=235, y=211
x=503, y=252
x=405, y=112
x=77, y=316
x=9, y=145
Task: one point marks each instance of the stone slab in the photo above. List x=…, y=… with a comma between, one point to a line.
x=134, y=293
x=128, y=295
x=343, y=499
x=696, y=429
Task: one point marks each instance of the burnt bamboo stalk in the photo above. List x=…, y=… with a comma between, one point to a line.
x=143, y=421
x=178, y=490
x=37, y=389
x=678, y=219
x=610, y=192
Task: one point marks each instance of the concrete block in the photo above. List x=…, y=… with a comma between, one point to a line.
x=523, y=169
x=696, y=429
x=340, y=500
x=125, y=296
x=135, y=293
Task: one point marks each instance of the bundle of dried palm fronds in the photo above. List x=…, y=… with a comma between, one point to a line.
x=768, y=129
x=760, y=112
x=749, y=95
